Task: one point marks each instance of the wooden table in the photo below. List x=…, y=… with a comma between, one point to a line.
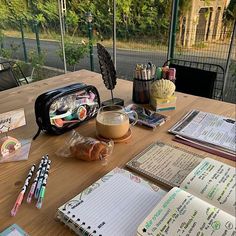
x=68, y=177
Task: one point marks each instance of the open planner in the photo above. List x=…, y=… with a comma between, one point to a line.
x=165, y=163
x=114, y=205
x=203, y=205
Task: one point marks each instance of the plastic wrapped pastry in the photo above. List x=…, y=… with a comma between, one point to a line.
x=85, y=148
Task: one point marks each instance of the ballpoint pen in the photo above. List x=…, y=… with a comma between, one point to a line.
x=42, y=192
x=33, y=186
x=23, y=190
x=40, y=178
x=43, y=187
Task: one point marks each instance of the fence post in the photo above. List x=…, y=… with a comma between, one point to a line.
x=89, y=19
x=172, y=34
x=23, y=40
x=36, y=28
x=228, y=59
x=114, y=33
x=62, y=36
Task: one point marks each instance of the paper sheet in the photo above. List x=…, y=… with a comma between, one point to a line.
x=207, y=127
x=115, y=208
x=12, y=120
x=213, y=182
x=182, y=214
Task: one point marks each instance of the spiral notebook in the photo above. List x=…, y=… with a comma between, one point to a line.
x=114, y=205
x=165, y=163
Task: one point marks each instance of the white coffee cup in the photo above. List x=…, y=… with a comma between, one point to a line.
x=112, y=121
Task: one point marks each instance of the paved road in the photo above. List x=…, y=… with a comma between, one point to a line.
x=126, y=59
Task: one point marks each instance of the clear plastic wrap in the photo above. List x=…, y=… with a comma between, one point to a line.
x=85, y=148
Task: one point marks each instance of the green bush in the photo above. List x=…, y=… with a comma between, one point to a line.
x=74, y=52
x=37, y=62
x=7, y=53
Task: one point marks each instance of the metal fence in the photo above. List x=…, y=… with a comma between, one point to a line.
x=213, y=50
x=207, y=46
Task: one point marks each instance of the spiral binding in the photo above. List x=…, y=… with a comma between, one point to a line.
x=73, y=225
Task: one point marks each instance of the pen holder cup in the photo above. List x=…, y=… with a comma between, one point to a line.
x=141, y=90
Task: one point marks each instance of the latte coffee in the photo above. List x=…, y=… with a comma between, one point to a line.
x=112, y=124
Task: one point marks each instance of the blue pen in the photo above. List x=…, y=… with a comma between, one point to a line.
x=42, y=192
x=40, y=179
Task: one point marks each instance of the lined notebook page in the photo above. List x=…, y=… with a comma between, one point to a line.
x=115, y=208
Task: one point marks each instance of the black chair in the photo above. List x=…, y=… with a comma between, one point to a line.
x=198, y=78
x=11, y=75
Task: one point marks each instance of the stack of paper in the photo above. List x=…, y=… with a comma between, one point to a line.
x=207, y=131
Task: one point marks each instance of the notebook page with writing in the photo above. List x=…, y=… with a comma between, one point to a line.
x=165, y=163
x=214, y=182
x=180, y=213
x=115, y=208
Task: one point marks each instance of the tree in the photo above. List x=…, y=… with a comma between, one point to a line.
x=230, y=13
x=47, y=14
x=184, y=8
x=3, y=20
x=72, y=21
x=17, y=15
x=229, y=17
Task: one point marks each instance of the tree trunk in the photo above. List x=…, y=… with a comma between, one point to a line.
x=180, y=30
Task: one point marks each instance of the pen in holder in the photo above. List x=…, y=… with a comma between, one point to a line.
x=141, y=90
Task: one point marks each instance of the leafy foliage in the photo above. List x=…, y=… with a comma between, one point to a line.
x=74, y=52
x=72, y=21
x=36, y=60
x=135, y=18
x=8, y=53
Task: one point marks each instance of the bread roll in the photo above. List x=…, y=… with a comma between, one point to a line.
x=89, y=150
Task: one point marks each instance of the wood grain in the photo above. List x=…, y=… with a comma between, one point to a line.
x=68, y=177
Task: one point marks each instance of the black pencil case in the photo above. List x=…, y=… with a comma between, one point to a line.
x=62, y=109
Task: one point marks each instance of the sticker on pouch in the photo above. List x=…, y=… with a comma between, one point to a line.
x=82, y=113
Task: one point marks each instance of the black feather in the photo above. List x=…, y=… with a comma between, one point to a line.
x=107, y=67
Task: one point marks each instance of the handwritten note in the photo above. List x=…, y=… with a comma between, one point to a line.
x=165, y=163
x=213, y=182
x=181, y=213
x=12, y=120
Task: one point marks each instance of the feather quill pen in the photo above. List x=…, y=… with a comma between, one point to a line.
x=107, y=68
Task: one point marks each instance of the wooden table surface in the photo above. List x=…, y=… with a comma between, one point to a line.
x=68, y=177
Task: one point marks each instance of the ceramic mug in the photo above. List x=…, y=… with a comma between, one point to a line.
x=113, y=121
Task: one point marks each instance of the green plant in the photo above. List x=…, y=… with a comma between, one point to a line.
x=74, y=52
x=8, y=52
x=37, y=61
